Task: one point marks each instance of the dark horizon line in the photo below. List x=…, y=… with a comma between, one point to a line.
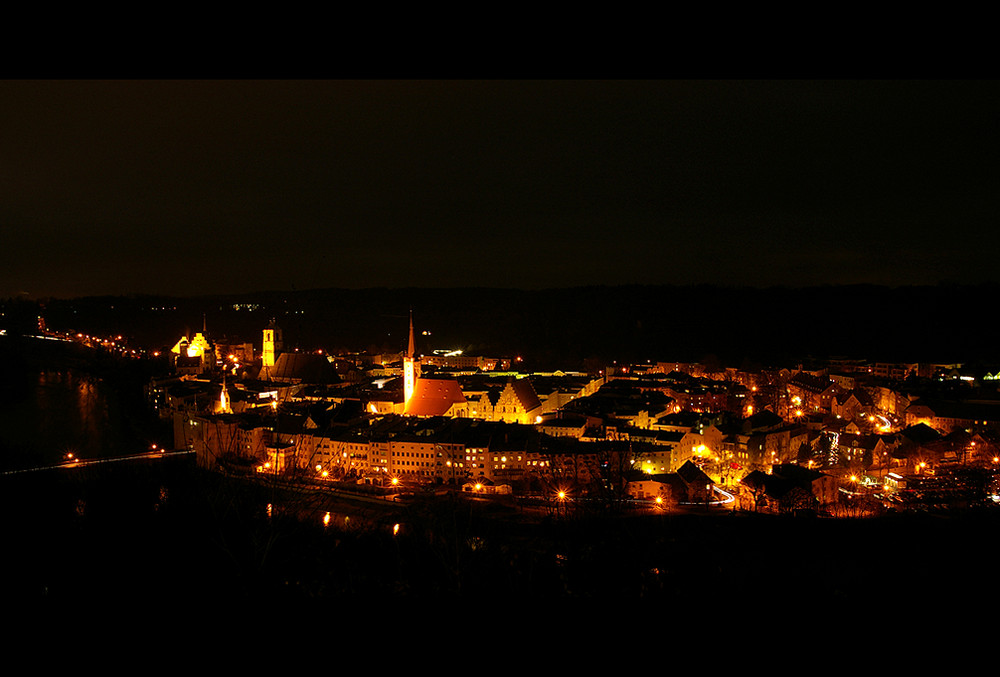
x=628, y=285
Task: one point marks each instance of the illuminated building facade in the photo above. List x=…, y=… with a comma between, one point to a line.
x=196, y=354
x=517, y=403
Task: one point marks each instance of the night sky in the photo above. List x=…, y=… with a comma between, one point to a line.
x=202, y=187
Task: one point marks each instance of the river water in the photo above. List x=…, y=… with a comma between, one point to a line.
x=46, y=414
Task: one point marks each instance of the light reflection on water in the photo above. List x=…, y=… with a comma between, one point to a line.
x=45, y=415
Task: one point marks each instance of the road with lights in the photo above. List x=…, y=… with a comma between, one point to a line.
x=82, y=463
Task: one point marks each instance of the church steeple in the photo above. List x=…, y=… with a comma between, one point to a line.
x=224, y=398
x=409, y=369
x=410, y=349
x=272, y=344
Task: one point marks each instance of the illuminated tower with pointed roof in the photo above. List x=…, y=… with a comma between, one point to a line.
x=409, y=369
x=272, y=344
x=224, y=398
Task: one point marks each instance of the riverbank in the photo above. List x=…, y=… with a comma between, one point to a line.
x=164, y=531
x=59, y=399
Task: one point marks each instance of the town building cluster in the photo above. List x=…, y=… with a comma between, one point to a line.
x=783, y=438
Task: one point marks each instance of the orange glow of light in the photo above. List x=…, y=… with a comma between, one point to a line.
x=326, y=520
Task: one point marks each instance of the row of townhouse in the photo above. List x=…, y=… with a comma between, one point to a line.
x=457, y=450
x=460, y=451
x=949, y=416
x=759, y=450
x=415, y=458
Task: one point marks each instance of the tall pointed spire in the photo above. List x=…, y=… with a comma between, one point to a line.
x=409, y=348
x=224, y=398
x=409, y=369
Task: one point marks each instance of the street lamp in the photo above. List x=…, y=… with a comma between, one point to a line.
x=561, y=497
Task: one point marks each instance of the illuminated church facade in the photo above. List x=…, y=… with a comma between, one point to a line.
x=517, y=402
x=194, y=355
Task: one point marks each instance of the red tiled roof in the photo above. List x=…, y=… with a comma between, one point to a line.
x=434, y=397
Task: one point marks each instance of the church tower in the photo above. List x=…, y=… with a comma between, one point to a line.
x=224, y=398
x=409, y=370
x=272, y=344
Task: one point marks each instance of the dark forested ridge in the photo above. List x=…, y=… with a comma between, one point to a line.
x=941, y=323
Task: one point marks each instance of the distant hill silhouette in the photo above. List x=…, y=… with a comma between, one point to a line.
x=566, y=326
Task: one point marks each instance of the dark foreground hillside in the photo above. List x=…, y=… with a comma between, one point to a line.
x=164, y=533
